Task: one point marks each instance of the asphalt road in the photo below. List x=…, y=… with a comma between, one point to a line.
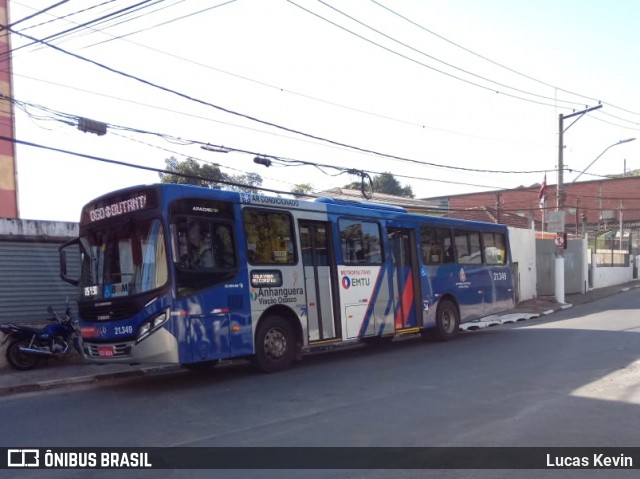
x=571, y=379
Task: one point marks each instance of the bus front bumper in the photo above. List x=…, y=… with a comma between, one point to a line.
x=159, y=347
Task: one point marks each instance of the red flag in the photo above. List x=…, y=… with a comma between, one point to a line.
x=542, y=194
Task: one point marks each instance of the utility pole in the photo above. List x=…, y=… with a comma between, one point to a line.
x=560, y=195
x=577, y=216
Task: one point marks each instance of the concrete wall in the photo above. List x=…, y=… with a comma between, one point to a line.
x=575, y=267
x=523, y=252
x=36, y=230
x=546, y=267
x=604, y=276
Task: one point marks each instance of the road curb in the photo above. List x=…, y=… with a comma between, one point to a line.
x=87, y=379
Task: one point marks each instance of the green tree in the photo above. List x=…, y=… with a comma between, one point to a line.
x=206, y=175
x=302, y=189
x=251, y=181
x=386, y=183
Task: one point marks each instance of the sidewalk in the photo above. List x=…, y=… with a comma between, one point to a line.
x=74, y=371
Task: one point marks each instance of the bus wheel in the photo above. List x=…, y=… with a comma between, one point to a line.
x=447, y=321
x=275, y=345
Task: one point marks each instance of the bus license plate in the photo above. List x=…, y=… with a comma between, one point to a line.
x=105, y=351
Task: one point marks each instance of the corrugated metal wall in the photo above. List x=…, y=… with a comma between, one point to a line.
x=30, y=280
x=574, y=267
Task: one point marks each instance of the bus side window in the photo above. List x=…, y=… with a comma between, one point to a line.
x=269, y=237
x=436, y=245
x=495, y=249
x=203, y=244
x=468, y=249
x=360, y=242
x=195, y=244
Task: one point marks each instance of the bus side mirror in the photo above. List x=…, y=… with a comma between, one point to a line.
x=63, y=262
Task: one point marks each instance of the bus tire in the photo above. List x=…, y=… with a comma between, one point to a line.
x=275, y=345
x=447, y=321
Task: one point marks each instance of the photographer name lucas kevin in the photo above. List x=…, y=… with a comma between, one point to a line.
x=594, y=461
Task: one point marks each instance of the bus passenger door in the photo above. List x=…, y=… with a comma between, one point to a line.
x=317, y=257
x=407, y=296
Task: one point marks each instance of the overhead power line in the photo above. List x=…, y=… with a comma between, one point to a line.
x=274, y=160
x=512, y=70
x=68, y=15
x=175, y=19
x=265, y=122
x=77, y=27
x=39, y=12
x=127, y=16
x=413, y=60
x=274, y=87
x=140, y=167
x=416, y=50
x=353, y=147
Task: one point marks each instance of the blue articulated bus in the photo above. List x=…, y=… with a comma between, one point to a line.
x=181, y=274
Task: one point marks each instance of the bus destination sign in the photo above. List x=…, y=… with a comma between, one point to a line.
x=118, y=208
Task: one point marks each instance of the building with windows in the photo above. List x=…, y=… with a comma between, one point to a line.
x=606, y=211
x=598, y=205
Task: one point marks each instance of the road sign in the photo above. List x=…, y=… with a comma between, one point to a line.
x=559, y=241
x=555, y=221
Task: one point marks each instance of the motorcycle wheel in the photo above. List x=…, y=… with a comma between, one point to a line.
x=19, y=360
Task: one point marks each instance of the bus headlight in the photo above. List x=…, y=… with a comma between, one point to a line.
x=152, y=325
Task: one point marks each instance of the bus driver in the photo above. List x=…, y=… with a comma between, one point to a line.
x=200, y=254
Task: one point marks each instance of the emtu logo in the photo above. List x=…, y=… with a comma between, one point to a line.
x=23, y=458
x=346, y=282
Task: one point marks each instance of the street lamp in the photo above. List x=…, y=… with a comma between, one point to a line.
x=603, y=152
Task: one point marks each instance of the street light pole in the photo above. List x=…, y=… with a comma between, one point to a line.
x=560, y=196
x=603, y=152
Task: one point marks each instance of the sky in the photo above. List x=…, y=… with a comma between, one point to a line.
x=451, y=97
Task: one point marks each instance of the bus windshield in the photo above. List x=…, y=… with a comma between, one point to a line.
x=123, y=260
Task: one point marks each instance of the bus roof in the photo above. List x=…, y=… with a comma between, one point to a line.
x=330, y=205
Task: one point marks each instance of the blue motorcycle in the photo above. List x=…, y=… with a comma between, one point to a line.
x=29, y=347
